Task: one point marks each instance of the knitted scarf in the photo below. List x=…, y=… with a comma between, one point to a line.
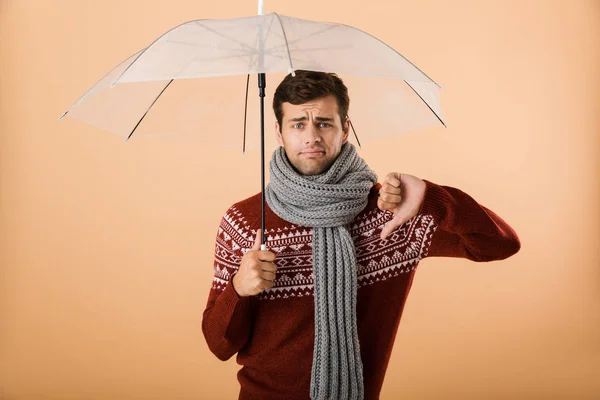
x=328, y=203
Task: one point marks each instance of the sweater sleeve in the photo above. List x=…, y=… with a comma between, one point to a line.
x=227, y=319
x=464, y=228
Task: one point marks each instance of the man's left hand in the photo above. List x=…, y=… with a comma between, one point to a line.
x=403, y=195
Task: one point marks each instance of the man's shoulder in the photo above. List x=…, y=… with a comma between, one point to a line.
x=248, y=204
x=241, y=220
x=249, y=208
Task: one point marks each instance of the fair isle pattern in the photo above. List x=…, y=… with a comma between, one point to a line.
x=377, y=260
x=404, y=248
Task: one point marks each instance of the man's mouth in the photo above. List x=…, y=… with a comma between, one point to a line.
x=313, y=153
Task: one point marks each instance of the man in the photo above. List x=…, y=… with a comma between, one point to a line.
x=316, y=314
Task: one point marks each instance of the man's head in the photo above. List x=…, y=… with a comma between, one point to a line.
x=312, y=123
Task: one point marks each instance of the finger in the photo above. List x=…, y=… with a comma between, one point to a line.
x=387, y=188
x=387, y=229
x=265, y=284
x=394, y=179
x=265, y=255
x=385, y=206
x=267, y=275
x=391, y=227
x=257, y=241
x=268, y=266
x=390, y=198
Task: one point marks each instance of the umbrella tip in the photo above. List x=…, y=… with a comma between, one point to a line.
x=291, y=71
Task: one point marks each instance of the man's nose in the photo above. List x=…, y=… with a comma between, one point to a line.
x=311, y=134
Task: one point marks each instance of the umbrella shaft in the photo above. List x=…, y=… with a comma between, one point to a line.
x=262, y=83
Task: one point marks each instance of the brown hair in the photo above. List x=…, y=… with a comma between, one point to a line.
x=307, y=86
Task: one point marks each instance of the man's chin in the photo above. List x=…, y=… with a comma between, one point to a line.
x=311, y=173
x=313, y=170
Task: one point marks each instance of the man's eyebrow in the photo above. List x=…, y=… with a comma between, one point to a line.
x=298, y=119
x=320, y=119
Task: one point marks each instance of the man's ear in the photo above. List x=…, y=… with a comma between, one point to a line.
x=346, y=129
x=278, y=132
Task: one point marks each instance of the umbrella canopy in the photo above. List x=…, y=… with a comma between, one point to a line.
x=384, y=85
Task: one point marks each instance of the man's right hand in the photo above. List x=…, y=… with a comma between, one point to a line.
x=257, y=270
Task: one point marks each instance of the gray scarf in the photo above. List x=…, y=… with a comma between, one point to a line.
x=328, y=203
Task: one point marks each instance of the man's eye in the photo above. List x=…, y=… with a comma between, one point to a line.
x=324, y=125
x=297, y=126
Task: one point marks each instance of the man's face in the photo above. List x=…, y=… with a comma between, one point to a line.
x=312, y=134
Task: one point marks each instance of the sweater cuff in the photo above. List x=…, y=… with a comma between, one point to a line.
x=436, y=202
x=230, y=298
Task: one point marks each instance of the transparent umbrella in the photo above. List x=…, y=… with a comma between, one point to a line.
x=157, y=92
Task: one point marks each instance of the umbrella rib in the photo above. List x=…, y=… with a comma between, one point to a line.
x=427, y=104
x=252, y=60
x=355, y=135
x=268, y=32
x=280, y=57
x=308, y=36
x=144, y=116
x=251, y=51
x=90, y=89
x=240, y=52
x=286, y=42
x=246, y=113
x=307, y=51
x=196, y=58
x=310, y=59
x=227, y=37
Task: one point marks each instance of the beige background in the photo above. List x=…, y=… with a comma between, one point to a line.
x=106, y=247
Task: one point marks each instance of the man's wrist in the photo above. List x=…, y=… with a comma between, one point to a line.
x=233, y=286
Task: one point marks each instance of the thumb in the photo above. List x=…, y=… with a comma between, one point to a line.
x=257, y=241
x=390, y=227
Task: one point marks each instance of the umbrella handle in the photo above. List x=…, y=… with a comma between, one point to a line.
x=263, y=246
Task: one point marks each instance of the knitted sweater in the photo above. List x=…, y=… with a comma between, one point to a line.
x=273, y=332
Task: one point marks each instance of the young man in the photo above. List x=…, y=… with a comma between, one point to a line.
x=316, y=314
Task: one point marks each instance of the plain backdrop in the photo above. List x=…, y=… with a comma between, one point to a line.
x=106, y=247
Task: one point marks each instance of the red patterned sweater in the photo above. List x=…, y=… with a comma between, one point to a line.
x=273, y=333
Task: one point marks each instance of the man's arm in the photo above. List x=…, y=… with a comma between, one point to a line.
x=465, y=228
x=227, y=319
